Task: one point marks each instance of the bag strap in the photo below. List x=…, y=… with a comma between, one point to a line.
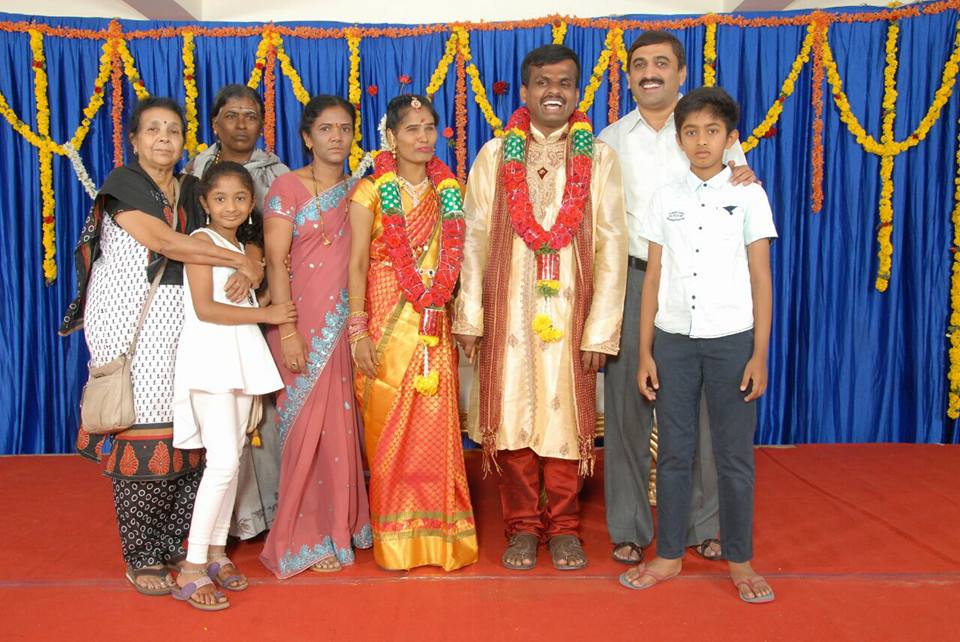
x=156, y=280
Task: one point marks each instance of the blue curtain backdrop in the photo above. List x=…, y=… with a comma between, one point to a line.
x=847, y=363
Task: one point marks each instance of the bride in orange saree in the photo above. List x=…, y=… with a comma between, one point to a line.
x=407, y=224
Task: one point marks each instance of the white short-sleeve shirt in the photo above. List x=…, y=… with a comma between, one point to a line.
x=704, y=228
x=649, y=159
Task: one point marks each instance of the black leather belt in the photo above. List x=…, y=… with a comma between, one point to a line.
x=637, y=264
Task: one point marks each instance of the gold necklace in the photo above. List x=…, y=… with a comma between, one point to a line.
x=316, y=196
x=412, y=190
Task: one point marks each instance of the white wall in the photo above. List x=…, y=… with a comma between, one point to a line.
x=398, y=11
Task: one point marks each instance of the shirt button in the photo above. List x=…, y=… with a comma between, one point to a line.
x=705, y=185
x=697, y=251
x=693, y=307
x=693, y=296
x=700, y=228
x=694, y=274
x=703, y=204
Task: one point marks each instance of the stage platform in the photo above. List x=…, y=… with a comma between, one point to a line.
x=861, y=542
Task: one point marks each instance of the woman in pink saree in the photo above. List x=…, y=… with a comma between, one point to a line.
x=322, y=513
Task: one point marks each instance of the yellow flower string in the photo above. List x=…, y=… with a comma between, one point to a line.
x=96, y=98
x=479, y=92
x=892, y=148
x=190, y=92
x=599, y=70
x=885, y=251
x=786, y=90
x=130, y=69
x=353, y=95
x=440, y=72
x=559, y=32
x=45, y=155
x=710, y=54
x=260, y=61
x=288, y=70
x=953, y=374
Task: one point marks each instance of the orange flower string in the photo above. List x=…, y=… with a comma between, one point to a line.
x=461, y=119
x=116, y=107
x=613, y=98
x=816, y=98
x=270, y=100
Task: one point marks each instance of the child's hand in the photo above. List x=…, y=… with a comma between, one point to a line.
x=647, y=378
x=755, y=372
x=294, y=351
x=280, y=313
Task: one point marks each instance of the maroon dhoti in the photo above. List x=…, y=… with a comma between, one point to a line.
x=520, y=494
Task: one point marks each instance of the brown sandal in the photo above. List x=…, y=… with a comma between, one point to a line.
x=631, y=549
x=567, y=547
x=705, y=549
x=522, y=545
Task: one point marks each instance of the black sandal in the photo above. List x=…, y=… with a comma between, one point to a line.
x=705, y=546
x=521, y=545
x=633, y=548
x=567, y=547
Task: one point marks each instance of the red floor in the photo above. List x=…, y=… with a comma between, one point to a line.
x=861, y=542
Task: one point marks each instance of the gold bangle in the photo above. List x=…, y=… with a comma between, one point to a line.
x=358, y=313
x=355, y=338
x=294, y=333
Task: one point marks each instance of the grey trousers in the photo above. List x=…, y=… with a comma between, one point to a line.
x=628, y=422
x=685, y=367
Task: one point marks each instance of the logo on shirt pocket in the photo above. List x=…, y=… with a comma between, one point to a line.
x=730, y=209
x=675, y=216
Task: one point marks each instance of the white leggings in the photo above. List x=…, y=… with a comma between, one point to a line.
x=222, y=418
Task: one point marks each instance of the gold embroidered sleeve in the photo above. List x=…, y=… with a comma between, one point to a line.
x=601, y=333
x=477, y=209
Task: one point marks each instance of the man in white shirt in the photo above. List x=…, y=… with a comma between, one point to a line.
x=650, y=157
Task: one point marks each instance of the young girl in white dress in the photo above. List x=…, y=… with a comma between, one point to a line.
x=223, y=362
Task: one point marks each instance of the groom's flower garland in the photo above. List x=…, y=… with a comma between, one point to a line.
x=429, y=302
x=546, y=244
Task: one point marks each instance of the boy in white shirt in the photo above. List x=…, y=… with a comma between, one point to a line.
x=705, y=319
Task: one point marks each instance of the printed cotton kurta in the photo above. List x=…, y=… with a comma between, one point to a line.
x=539, y=407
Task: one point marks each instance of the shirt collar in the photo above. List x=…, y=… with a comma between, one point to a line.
x=638, y=119
x=552, y=138
x=719, y=180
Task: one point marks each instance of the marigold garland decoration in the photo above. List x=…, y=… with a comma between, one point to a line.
x=440, y=72
x=889, y=104
x=353, y=95
x=598, y=70
x=710, y=54
x=953, y=331
x=786, y=90
x=260, y=61
x=816, y=98
x=613, y=97
x=892, y=147
x=460, y=107
x=546, y=244
x=190, y=92
x=430, y=301
x=286, y=66
x=559, y=32
x=130, y=69
x=45, y=156
x=116, y=105
x=270, y=100
x=476, y=84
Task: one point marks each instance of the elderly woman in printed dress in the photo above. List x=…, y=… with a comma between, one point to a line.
x=139, y=225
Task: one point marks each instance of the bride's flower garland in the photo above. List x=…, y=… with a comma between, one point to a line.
x=429, y=302
x=546, y=244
